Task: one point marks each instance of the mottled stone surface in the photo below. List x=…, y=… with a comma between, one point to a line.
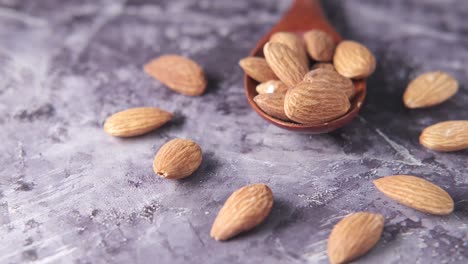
x=69, y=193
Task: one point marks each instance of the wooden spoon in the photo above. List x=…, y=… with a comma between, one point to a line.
x=304, y=15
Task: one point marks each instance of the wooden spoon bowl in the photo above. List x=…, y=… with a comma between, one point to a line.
x=304, y=15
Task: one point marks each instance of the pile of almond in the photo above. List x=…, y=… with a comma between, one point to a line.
x=358, y=233
x=292, y=91
x=430, y=89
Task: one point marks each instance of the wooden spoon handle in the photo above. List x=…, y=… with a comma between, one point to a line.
x=305, y=15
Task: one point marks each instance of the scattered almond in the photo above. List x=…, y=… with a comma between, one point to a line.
x=283, y=61
x=320, y=45
x=354, y=236
x=181, y=74
x=257, y=68
x=243, y=210
x=446, y=136
x=272, y=86
x=353, y=60
x=294, y=42
x=416, y=193
x=177, y=159
x=323, y=65
x=136, y=121
x=331, y=79
x=430, y=89
x=310, y=103
x=272, y=104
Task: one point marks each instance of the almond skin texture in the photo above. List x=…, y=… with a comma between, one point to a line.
x=294, y=42
x=273, y=86
x=284, y=63
x=272, y=104
x=136, y=121
x=332, y=79
x=353, y=60
x=446, y=136
x=323, y=65
x=354, y=236
x=181, y=74
x=430, y=89
x=177, y=159
x=242, y=211
x=416, y=193
x=320, y=45
x=257, y=68
x=314, y=103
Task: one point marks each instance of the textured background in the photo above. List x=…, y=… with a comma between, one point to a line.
x=69, y=193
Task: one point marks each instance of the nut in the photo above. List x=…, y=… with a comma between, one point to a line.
x=273, y=86
x=430, y=89
x=257, y=68
x=136, y=121
x=181, y=74
x=446, y=136
x=294, y=42
x=416, y=193
x=332, y=79
x=354, y=236
x=243, y=210
x=177, y=159
x=284, y=63
x=272, y=104
x=353, y=60
x=320, y=45
x=323, y=65
x=313, y=103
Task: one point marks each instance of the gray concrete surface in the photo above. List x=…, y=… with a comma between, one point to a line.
x=69, y=193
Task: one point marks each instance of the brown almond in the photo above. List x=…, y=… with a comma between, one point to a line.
x=323, y=65
x=353, y=60
x=136, y=121
x=243, y=210
x=283, y=61
x=446, y=136
x=181, y=74
x=320, y=45
x=294, y=42
x=177, y=159
x=257, y=68
x=310, y=103
x=272, y=104
x=430, y=89
x=332, y=79
x=272, y=86
x=416, y=193
x=354, y=236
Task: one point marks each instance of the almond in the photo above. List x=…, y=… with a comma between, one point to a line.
x=181, y=74
x=446, y=136
x=332, y=79
x=353, y=60
x=430, y=89
x=257, y=68
x=272, y=104
x=416, y=193
x=272, y=86
x=294, y=42
x=354, y=236
x=284, y=63
x=323, y=65
x=136, y=121
x=311, y=103
x=243, y=210
x=320, y=45
x=177, y=159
